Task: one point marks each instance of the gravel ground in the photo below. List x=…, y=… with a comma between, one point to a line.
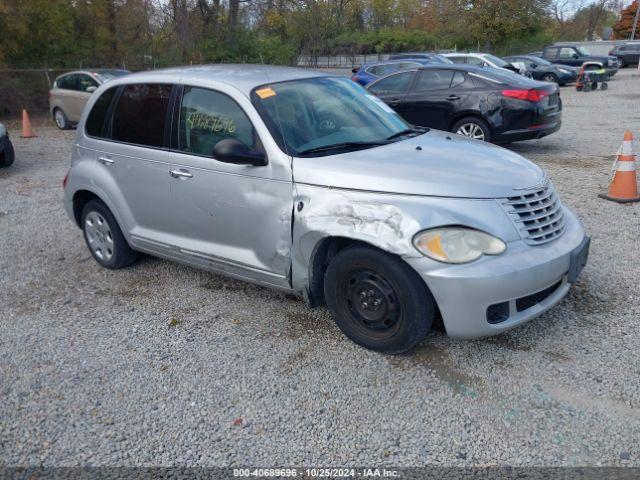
x=162, y=364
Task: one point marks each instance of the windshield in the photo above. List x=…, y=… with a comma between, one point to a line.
x=541, y=61
x=498, y=62
x=583, y=51
x=319, y=116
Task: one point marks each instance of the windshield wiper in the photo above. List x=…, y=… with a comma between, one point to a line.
x=407, y=131
x=338, y=146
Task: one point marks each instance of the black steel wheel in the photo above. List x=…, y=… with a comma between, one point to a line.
x=377, y=300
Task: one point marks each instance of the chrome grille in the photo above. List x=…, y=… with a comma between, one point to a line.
x=538, y=215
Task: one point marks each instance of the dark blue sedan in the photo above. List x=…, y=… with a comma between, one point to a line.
x=370, y=72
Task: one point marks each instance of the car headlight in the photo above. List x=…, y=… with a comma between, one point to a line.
x=564, y=71
x=457, y=244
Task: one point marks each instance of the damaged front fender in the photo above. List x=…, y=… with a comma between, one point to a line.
x=385, y=221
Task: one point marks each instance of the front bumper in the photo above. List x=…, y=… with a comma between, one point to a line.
x=465, y=292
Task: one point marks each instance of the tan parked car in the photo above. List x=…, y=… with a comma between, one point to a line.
x=71, y=91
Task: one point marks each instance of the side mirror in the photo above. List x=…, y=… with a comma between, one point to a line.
x=231, y=150
x=576, y=56
x=534, y=65
x=355, y=70
x=91, y=89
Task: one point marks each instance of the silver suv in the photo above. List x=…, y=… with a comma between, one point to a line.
x=304, y=182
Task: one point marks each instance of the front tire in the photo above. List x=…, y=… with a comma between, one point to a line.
x=62, y=122
x=377, y=300
x=550, y=77
x=104, y=238
x=473, y=127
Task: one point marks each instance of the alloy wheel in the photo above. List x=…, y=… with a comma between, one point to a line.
x=60, y=120
x=471, y=130
x=99, y=236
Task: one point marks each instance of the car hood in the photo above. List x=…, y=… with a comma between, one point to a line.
x=433, y=164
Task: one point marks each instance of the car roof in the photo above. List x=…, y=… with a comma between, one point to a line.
x=244, y=77
x=92, y=71
x=397, y=60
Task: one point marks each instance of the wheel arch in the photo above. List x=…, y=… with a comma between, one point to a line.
x=470, y=114
x=79, y=200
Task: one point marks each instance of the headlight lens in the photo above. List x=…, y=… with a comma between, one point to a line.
x=564, y=71
x=457, y=244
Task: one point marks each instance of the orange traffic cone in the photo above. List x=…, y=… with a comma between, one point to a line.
x=27, y=131
x=624, y=187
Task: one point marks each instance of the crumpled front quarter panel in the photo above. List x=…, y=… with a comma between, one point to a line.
x=385, y=221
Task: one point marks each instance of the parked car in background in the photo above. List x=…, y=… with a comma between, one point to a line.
x=482, y=103
x=541, y=69
x=370, y=72
x=575, y=56
x=71, y=91
x=627, y=53
x=7, y=153
x=302, y=181
x=431, y=56
x=484, y=60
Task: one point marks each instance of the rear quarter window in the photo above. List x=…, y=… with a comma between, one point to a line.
x=96, y=119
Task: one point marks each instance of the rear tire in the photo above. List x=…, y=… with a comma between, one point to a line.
x=62, y=122
x=550, y=77
x=473, y=127
x=104, y=237
x=7, y=156
x=377, y=300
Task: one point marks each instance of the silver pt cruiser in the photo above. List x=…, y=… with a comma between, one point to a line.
x=304, y=182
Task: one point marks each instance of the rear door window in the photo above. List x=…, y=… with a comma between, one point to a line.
x=140, y=114
x=429, y=80
x=567, y=53
x=459, y=60
x=477, y=62
x=393, y=85
x=96, y=118
x=461, y=82
x=68, y=82
x=551, y=52
x=207, y=116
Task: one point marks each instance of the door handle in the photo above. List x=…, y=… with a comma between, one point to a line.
x=106, y=160
x=180, y=173
x=453, y=97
